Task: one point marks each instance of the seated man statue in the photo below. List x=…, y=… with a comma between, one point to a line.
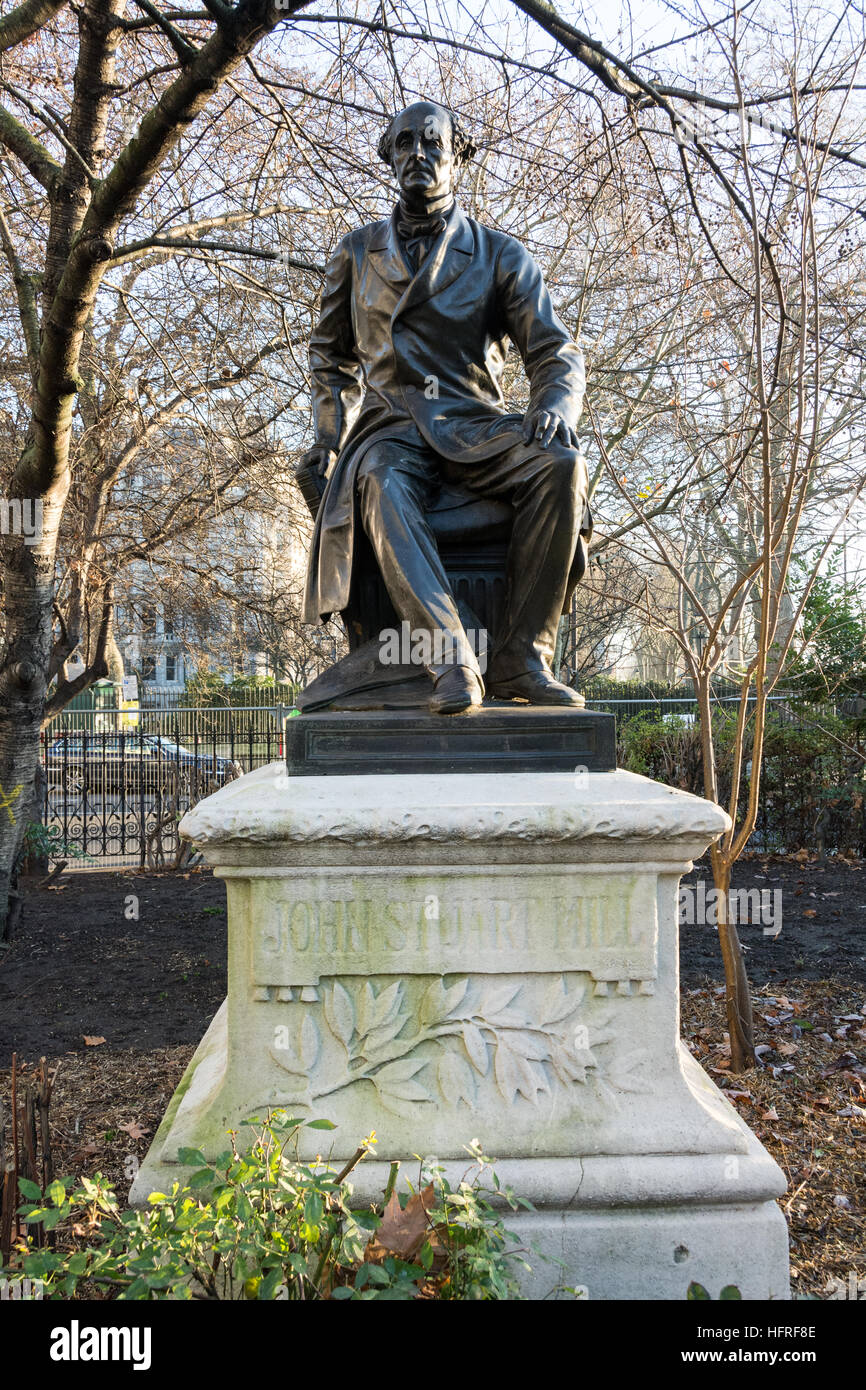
x=406, y=365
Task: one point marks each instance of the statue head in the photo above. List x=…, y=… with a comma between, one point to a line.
x=424, y=144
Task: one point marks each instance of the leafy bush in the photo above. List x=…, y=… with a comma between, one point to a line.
x=666, y=748
x=812, y=778
x=263, y=1225
x=600, y=688
x=40, y=844
x=41, y=841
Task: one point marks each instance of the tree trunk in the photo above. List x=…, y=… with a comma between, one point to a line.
x=28, y=596
x=738, y=1002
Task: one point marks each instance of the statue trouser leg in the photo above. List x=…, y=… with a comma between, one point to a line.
x=395, y=486
x=547, y=488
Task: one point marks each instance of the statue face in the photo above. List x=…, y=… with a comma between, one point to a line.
x=421, y=152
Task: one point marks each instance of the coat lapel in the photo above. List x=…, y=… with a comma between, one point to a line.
x=387, y=258
x=449, y=256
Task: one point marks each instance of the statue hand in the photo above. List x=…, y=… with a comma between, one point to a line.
x=543, y=425
x=320, y=458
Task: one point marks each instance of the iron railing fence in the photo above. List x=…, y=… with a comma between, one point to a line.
x=683, y=706
x=228, y=697
x=230, y=727
x=113, y=796
x=103, y=709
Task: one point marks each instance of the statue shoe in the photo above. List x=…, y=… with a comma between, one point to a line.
x=539, y=688
x=456, y=690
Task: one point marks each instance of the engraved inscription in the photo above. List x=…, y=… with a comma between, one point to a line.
x=611, y=933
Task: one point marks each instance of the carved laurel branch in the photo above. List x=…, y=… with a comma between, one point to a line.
x=474, y=1024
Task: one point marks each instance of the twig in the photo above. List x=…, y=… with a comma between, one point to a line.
x=353, y=1163
x=50, y=878
x=46, y=1086
x=391, y=1183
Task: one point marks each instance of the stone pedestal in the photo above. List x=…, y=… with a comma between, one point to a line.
x=444, y=957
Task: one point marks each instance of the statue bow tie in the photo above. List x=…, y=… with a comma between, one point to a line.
x=420, y=227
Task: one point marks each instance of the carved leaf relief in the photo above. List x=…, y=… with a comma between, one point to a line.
x=459, y=1033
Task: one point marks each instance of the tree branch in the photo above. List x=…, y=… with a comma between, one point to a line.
x=165, y=243
x=184, y=50
x=45, y=461
x=95, y=668
x=609, y=69
x=32, y=153
x=54, y=125
x=25, y=293
x=25, y=19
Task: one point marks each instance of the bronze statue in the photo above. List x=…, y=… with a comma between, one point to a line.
x=406, y=363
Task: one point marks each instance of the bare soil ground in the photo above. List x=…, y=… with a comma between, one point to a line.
x=80, y=968
x=823, y=921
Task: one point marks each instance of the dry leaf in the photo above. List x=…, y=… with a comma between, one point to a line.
x=809, y=912
x=86, y=1151
x=842, y=1063
x=403, y=1232
x=93, y=1042
x=134, y=1130
x=771, y=1114
x=786, y=1049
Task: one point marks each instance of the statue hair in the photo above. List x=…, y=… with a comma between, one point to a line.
x=462, y=144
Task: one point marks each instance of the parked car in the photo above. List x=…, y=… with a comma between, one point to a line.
x=130, y=763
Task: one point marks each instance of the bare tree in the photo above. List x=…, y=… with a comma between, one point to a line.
x=776, y=451
x=89, y=196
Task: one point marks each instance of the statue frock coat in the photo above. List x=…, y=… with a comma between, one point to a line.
x=399, y=353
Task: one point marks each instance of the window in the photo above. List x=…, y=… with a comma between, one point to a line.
x=171, y=668
x=148, y=668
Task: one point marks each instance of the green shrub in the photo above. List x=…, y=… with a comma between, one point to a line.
x=264, y=1225
x=812, y=778
x=212, y=692
x=42, y=843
